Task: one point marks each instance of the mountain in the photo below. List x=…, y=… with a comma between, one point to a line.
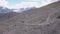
x=23, y=9
x=6, y=13
x=5, y=10
x=27, y=9
x=44, y=20
x=6, y=16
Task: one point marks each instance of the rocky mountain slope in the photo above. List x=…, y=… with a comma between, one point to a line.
x=44, y=20
x=6, y=16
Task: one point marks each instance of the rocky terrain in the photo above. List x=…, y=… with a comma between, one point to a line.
x=44, y=20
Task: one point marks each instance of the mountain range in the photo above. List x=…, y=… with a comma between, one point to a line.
x=6, y=13
x=7, y=10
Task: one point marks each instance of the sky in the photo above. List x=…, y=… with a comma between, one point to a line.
x=16, y=4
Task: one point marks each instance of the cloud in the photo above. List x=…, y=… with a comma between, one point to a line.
x=3, y=3
x=26, y=4
x=36, y=3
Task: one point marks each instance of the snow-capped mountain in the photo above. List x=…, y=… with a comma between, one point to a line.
x=23, y=9
x=5, y=10
x=27, y=8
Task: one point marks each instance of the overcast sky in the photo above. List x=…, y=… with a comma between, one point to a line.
x=24, y=3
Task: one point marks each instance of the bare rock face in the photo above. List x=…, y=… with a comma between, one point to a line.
x=44, y=20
